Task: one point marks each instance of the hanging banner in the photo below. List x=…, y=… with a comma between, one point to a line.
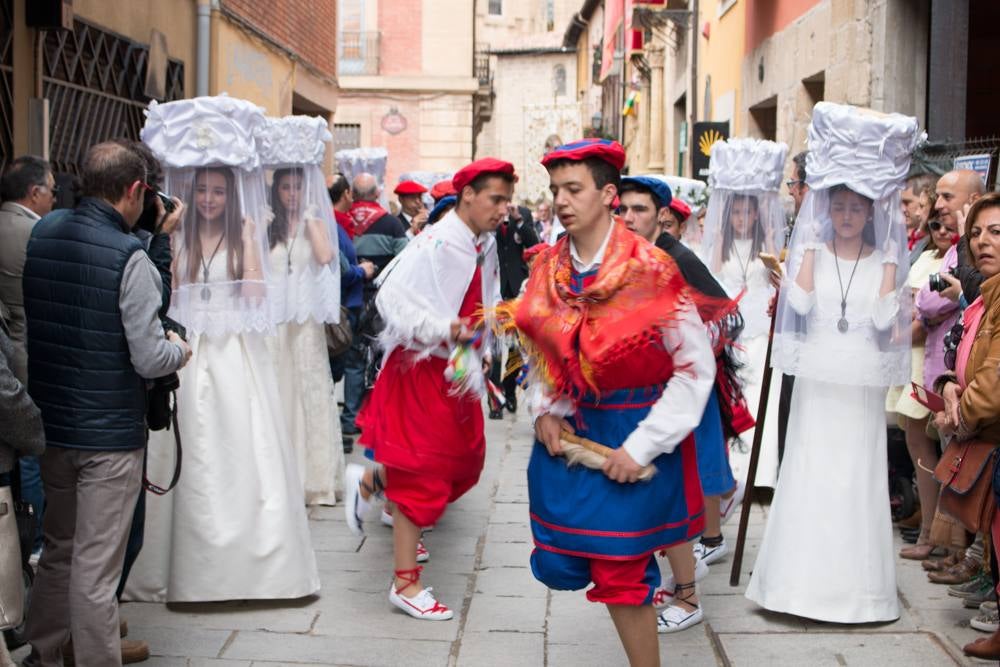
x=705, y=134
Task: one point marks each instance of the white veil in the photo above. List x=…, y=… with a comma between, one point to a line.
x=209, y=157
x=304, y=277
x=846, y=319
x=744, y=218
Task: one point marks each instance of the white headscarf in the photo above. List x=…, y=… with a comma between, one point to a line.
x=304, y=259
x=745, y=218
x=207, y=145
x=841, y=318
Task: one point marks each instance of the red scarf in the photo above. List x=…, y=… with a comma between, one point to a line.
x=364, y=214
x=610, y=335
x=345, y=221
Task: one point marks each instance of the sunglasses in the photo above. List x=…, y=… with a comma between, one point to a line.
x=935, y=226
x=793, y=182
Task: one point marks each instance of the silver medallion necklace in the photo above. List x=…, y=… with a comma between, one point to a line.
x=206, y=292
x=744, y=266
x=842, y=322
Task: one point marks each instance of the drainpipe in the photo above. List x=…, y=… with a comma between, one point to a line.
x=693, y=96
x=204, y=44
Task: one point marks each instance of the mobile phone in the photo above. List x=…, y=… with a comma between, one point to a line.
x=175, y=326
x=927, y=398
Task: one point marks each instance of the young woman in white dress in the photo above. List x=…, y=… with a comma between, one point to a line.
x=843, y=330
x=305, y=269
x=235, y=526
x=745, y=218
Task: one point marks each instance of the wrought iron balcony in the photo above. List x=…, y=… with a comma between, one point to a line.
x=358, y=53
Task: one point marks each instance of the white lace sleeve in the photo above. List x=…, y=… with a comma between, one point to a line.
x=800, y=300
x=885, y=311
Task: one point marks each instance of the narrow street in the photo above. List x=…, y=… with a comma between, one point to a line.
x=479, y=566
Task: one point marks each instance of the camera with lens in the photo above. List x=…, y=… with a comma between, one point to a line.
x=168, y=203
x=938, y=284
x=158, y=406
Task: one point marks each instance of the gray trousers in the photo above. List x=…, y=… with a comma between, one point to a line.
x=90, y=499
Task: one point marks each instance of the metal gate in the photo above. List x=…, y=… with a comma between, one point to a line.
x=94, y=81
x=6, y=83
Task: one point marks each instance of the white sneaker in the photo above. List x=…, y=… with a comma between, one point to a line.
x=664, y=595
x=728, y=507
x=355, y=506
x=386, y=519
x=675, y=619
x=423, y=555
x=423, y=605
x=708, y=555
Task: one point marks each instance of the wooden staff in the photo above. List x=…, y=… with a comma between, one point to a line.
x=758, y=434
x=592, y=454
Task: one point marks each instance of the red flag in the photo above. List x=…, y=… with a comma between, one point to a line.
x=614, y=11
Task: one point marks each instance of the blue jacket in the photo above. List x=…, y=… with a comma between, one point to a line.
x=80, y=372
x=352, y=276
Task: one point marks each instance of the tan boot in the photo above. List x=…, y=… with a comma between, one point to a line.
x=132, y=651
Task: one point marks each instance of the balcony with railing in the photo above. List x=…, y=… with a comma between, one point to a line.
x=358, y=53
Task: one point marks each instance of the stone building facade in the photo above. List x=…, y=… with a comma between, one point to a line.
x=406, y=75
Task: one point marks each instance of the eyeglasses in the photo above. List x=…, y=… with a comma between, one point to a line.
x=791, y=183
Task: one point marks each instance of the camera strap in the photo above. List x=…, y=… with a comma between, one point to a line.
x=159, y=490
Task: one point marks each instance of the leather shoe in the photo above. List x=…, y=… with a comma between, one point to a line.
x=348, y=444
x=986, y=648
x=957, y=574
x=511, y=403
x=132, y=651
x=912, y=521
x=496, y=414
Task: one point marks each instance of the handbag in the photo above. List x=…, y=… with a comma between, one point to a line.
x=965, y=472
x=11, y=579
x=339, y=336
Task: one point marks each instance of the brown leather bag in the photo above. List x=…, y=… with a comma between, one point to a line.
x=965, y=472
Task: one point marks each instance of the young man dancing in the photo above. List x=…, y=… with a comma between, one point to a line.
x=619, y=355
x=426, y=430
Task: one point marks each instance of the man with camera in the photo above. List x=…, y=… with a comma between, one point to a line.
x=91, y=298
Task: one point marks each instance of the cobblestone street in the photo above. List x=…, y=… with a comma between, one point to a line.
x=479, y=555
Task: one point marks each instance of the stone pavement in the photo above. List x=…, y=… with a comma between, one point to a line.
x=479, y=556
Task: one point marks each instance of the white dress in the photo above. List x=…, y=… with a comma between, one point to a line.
x=235, y=527
x=827, y=549
x=306, y=386
x=751, y=353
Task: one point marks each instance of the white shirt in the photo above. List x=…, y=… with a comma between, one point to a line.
x=680, y=407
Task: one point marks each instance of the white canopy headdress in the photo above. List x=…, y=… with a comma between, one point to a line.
x=744, y=218
x=302, y=236
x=208, y=150
x=844, y=317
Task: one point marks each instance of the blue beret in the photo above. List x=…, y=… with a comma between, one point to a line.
x=439, y=208
x=660, y=190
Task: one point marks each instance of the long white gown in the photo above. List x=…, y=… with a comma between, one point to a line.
x=235, y=527
x=306, y=386
x=827, y=549
x=752, y=350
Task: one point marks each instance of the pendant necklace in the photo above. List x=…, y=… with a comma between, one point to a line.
x=842, y=322
x=744, y=266
x=206, y=292
x=291, y=246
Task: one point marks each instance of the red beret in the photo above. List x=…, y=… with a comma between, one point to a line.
x=409, y=188
x=487, y=165
x=442, y=189
x=680, y=207
x=604, y=149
